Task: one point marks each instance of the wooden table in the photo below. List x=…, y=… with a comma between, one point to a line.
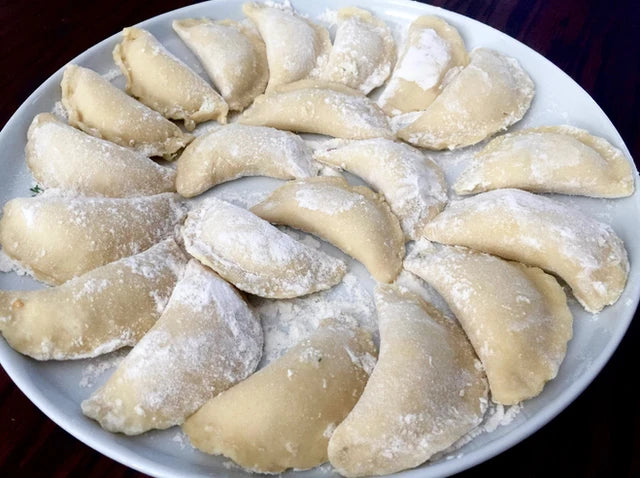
x=596, y=42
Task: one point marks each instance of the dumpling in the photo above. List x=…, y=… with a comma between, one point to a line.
x=110, y=307
x=363, y=51
x=163, y=82
x=296, y=47
x=233, y=55
x=413, y=184
x=426, y=391
x=255, y=256
x=206, y=340
x=236, y=150
x=352, y=218
x=58, y=236
x=515, y=316
x=97, y=107
x=433, y=51
x=489, y=95
x=60, y=156
x=560, y=159
x=282, y=416
x=311, y=106
x=541, y=232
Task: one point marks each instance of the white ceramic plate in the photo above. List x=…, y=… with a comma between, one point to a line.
x=56, y=387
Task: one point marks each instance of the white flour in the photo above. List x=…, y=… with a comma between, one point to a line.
x=287, y=322
x=496, y=416
x=98, y=366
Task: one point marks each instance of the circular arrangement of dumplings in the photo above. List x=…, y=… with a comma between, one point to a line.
x=133, y=262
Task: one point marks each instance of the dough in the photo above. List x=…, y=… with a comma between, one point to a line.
x=352, y=218
x=206, y=340
x=163, y=82
x=98, y=312
x=426, y=391
x=433, y=52
x=413, y=184
x=97, y=107
x=515, y=316
x=312, y=106
x=60, y=156
x=489, y=95
x=296, y=47
x=233, y=55
x=236, y=150
x=255, y=256
x=282, y=416
x=558, y=159
x=60, y=236
x=363, y=51
x=540, y=232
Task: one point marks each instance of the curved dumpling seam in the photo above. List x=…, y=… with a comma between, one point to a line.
x=559, y=159
x=232, y=54
x=163, y=82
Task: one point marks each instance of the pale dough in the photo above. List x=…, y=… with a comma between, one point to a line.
x=232, y=54
x=97, y=107
x=283, y=416
x=542, y=232
x=297, y=48
x=60, y=156
x=432, y=52
x=487, y=96
x=254, y=255
x=60, y=236
x=426, y=391
x=313, y=106
x=554, y=159
x=164, y=83
x=515, y=316
x=110, y=307
x=233, y=151
x=363, y=52
x=412, y=183
x=206, y=340
x=353, y=218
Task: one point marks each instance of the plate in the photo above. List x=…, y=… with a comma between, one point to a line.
x=58, y=388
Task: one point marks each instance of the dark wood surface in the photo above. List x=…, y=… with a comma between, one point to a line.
x=596, y=42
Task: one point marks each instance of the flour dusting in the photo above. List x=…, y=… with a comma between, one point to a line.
x=287, y=322
x=98, y=366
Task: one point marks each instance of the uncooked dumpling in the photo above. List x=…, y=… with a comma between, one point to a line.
x=413, y=185
x=541, y=232
x=559, y=159
x=206, y=340
x=163, y=82
x=236, y=150
x=110, y=307
x=426, y=391
x=60, y=156
x=311, y=106
x=282, y=416
x=353, y=218
x=97, y=107
x=489, y=95
x=233, y=55
x=297, y=48
x=254, y=255
x=433, y=49
x=60, y=236
x=363, y=51
x=515, y=316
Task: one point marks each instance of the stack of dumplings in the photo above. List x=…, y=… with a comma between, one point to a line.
x=133, y=261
